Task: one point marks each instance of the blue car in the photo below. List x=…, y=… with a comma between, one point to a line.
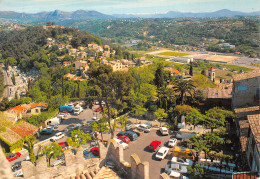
x=132, y=135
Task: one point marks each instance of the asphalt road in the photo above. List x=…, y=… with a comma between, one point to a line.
x=68, y=123
x=8, y=82
x=139, y=147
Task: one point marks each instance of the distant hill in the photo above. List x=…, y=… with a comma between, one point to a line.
x=176, y=14
x=55, y=16
x=58, y=16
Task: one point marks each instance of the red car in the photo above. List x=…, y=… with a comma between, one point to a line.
x=65, y=112
x=155, y=145
x=64, y=145
x=125, y=139
x=95, y=151
x=12, y=157
x=98, y=109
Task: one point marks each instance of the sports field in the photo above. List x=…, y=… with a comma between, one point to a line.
x=175, y=54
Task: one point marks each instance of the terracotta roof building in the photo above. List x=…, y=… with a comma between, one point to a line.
x=245, y=175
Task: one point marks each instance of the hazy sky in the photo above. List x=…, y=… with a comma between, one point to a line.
x=130, y=6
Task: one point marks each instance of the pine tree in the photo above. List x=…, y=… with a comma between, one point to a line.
x=191, y=69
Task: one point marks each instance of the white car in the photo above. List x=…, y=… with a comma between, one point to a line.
x=144, y=127
x=57, y=136
x=120, y=142
x=164, y=131
x=95, y=119
x=61, y=116
x=178, y=164
x=162, y=152
x=174, y=174
x=132, y=126
x=172, y=142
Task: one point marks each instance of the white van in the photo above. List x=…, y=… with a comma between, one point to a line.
x=164, y=131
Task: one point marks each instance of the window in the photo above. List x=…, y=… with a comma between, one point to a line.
x=36, y=110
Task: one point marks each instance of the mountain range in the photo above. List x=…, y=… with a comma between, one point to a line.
x=58, y=15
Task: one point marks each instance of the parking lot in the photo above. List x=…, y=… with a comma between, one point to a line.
x=65, y=126
x=140, y=147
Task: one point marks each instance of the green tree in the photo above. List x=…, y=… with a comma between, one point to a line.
x=122, y=121
x=216, y=118
x=11, y=61
x=29, y=145
x=196, y=171
x=166, y=96
x=78, y=137
x=56, y=101
x=160, y=76
x=194, y=117
x=183, y=87
x=52, y=151
x=100, y=126
x=160, y=114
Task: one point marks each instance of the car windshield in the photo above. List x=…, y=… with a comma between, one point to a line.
x=11, y=155
x=160, y=154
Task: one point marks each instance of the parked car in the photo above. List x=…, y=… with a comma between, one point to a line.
x=172, y=142
x=19, y=174
x=78, y=110
x=121, y=143
x=95, y=118
x=164, y=131
x=131, y=126
x=174, y=174
x=57, y=136
x=125, y=139
x=162, y=152
x=64, y=112
x=155, y=145
x=61, y=116
x=56, y=126
x=58, y=162
x=16, y=166
x=88, y=154
x=176, y=164
x=144, y=127
x=98, y=109
x=14, y=156
x=95, y=151
x=132, y=135
x=64, y=145
x=46, y=131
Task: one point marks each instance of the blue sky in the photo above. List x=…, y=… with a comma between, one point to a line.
x=129, y=6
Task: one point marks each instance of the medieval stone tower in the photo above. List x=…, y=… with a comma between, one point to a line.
x=211, y=74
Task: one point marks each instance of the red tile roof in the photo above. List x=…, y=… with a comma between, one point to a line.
x=243, y=142
x=40, y=104
x=245, y=175
x=24, y=129
x=254, y=122
x=240, y=112
x=17, y=109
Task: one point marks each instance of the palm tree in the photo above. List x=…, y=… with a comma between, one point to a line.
x=183, y=87
x=165, y=96
x=29, y=145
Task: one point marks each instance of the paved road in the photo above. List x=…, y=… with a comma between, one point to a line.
x=140, y=148
x=8, y=82
x=67, y=123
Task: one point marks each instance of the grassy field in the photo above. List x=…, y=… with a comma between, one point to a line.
x=176, y=54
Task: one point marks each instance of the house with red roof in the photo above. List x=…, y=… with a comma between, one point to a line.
x=25, y=110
